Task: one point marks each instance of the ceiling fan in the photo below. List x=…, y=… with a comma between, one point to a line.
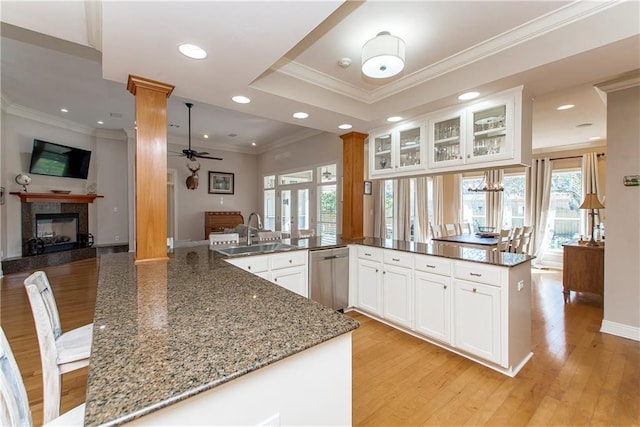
x=188, y=152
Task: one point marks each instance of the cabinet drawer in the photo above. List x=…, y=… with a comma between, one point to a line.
x=253, y=264
x=475, y=272
x=401, y=259
x=288, y=259
x=367, y=252
x=432, y=264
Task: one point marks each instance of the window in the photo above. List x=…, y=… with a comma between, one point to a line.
x=564, y=218
x=388, y=207
x=513, y=200
x=301, y=177
x=390, y=200
x=327, y=201
x=473, y=203
x=269, y=213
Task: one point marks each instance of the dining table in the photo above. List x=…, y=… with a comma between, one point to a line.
x=482, y=240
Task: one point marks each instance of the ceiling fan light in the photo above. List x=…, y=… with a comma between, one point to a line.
x=383, y=56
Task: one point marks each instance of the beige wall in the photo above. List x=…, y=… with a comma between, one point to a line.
x=622, y=251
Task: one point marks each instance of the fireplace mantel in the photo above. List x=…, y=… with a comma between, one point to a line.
x=26, y=197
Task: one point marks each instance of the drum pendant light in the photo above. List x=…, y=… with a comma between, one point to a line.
x=383, y=56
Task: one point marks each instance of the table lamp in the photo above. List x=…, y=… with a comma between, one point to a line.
x=591, y=202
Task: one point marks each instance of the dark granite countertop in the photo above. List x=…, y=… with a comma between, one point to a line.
x=166, y=331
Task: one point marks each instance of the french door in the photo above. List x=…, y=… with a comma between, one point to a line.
x=295, y=209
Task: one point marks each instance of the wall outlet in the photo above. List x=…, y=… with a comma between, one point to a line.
x=521, y=285
x=117, y=238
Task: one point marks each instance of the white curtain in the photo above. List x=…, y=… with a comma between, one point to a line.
x=421, y=232
x=590, y=184
x=494, y=200
x=402, y=210
x=438, y=208
x=457, y=198
x=539, y=188
x=379, y=226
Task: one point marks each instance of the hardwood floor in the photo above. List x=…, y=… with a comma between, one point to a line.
x=577, y=376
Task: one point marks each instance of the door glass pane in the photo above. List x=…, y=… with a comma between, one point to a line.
x=327, y=173
x=270, y=181
x=328, y=211
x=285, y=211
x=446, y=140
x=296, y=177
x=410, y=147
x=303, y=209
x=382, y=145
x=270, y=209
x=489, y=131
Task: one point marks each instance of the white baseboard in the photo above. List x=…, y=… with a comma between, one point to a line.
x=621, y=330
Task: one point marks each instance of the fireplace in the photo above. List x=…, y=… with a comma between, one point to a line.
x=57, y=231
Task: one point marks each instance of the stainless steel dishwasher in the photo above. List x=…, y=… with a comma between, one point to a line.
x=329, y=277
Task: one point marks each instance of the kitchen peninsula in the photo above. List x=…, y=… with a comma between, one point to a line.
x=196, y=340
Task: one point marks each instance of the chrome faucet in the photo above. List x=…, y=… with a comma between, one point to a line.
x=251, y=215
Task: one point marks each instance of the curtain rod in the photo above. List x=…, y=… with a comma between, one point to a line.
x=570, y=157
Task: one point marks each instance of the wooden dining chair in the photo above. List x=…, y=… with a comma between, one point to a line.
x=465, y=228
x=14, y=403
x=516, y=235
x=224, y=238
x=450, y=229
x=525, y=240
x=504, y=238
x=59, y=352
x=266, y=236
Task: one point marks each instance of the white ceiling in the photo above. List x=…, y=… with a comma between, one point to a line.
x=284, y=55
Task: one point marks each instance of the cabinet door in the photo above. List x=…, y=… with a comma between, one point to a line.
x=380, y=154
x=369, y=286
x=447, y=139
x=397, y=295
x=477, y=319
x=492, y=131
x=433, y=306
x=409, y=150
x=293, y=279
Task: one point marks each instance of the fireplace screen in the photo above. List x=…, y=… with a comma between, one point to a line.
x=58, y=232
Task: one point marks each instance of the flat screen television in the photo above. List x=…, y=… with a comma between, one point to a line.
x=52, y=159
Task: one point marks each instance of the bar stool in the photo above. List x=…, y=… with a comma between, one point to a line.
x=14, y=403
x=59, y=352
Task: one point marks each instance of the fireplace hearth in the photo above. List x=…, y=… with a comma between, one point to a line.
x=57, y=231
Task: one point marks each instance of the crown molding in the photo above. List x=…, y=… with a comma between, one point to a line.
x=590, y=145
x=540, y=26
x=39, y=116
x=118, y=135
x=624, y=81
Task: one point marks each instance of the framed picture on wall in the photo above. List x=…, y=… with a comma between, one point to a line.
x=221, y=182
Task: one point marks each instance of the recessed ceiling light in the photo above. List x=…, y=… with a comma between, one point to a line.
x=345, y=126
x=393, y=119
x=205, y=136
x=468, y=95
x=241, y=99
x=192, y=51
x=253, y=143
x=300, y=115
x=64, y=110
x=100, y=122
x=595, y=138
x=565, y=107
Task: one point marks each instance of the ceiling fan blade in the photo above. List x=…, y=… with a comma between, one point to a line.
x=208, y=157
x=201, y=153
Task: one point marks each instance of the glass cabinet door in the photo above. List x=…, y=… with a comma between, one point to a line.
x=382, y=155
x=489, y=133
x=447, y=144
x=410, y=147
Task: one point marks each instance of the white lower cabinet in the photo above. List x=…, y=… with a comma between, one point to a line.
x=370, y=286
x=433, y=306
x=397, y=295
x=477, y=319
x=288, y=270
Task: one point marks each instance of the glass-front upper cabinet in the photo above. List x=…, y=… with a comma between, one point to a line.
x=398, y=150
x=491, y=131
x=447, y=139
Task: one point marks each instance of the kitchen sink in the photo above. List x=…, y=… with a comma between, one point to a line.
x=255, y=249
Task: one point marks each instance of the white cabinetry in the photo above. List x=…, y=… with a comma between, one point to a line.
x=491, y=133
x=397, y=284
x=433, y=297
x=288, y=269
x=370, y=280
x=397, y=151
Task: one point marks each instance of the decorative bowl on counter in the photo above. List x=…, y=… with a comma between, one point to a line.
x=61, y=191
x=482, y=229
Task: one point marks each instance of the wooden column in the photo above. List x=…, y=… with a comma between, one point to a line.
x=352, y=184
x=151, y=167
